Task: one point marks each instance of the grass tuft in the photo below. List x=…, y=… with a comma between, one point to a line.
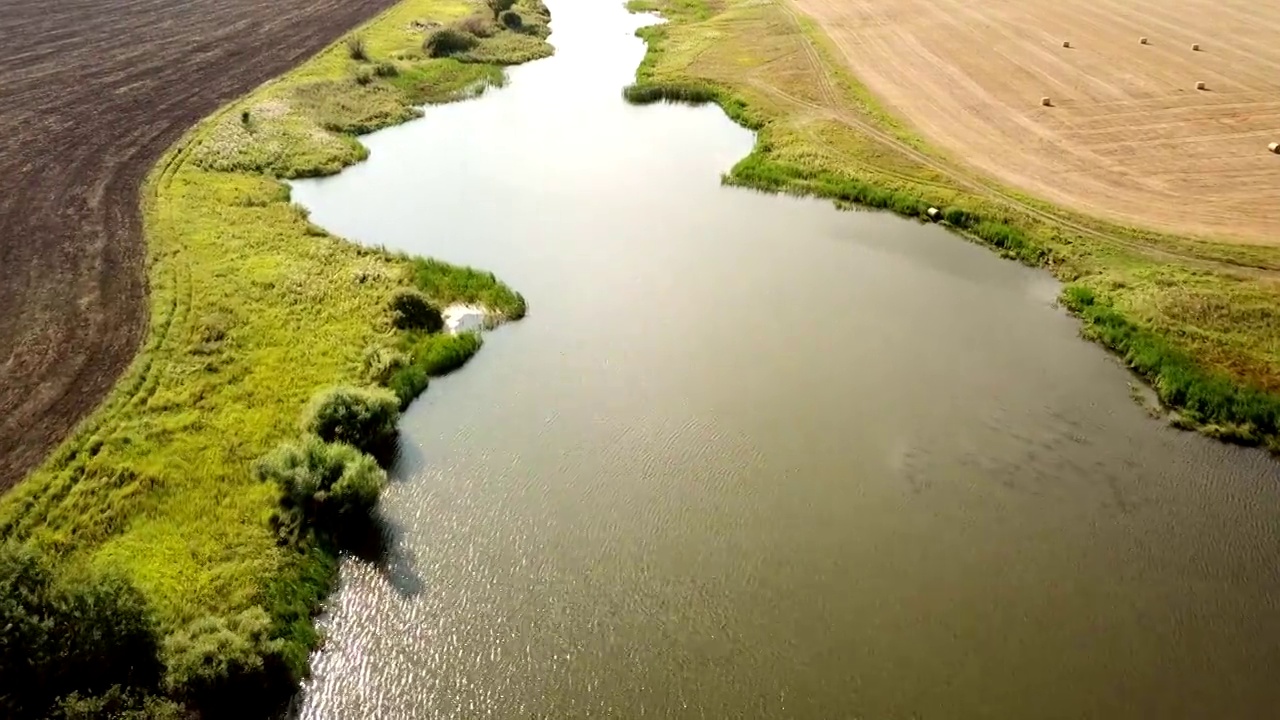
x=356, y=49
x=449, y=41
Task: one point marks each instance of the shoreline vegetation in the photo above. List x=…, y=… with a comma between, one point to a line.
x=169, y=557
x=1199, y=320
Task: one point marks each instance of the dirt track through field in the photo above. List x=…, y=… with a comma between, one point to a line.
x=1128, y=137
x=91, y=94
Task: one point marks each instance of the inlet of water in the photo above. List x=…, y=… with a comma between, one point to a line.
x=749, y=456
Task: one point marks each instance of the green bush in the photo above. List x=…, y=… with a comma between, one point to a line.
x=512, y=20
x=330, y=488
x=449, y=354
x=411, y=310
x=431, y=355
x=386, y=69
x=448, y=41
x=958, y=217
x=363, y=418
x=70, y=634
x=380, y=364
x=117, y=703
x=226, y=666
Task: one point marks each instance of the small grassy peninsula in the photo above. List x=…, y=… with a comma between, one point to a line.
x=1198, y=318
x=167, y=559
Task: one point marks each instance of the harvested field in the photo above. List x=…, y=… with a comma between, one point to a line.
x=93, y=93
x=1128, y=136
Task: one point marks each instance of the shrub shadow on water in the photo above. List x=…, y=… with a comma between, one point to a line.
x=380, y=544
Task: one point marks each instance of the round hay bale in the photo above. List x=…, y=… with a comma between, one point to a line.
x=1143, y=40
x=1274, y=147
x=1045, y=101
x=934, y=213
x=1200, y=85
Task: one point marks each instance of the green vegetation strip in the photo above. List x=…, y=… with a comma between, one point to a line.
x=1200, y=320
x=170, y=555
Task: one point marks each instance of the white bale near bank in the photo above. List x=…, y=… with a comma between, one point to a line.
x=1274, y=147
x=934, y=213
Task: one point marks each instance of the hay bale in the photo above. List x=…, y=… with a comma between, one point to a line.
x=1046, y=102
x=1195, y=47
x=1144, y=41
x=1274, y=147
x=935, y=214
x=1066, y=43
x=1200, y=85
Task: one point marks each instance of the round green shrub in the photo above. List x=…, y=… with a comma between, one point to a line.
x=512, y=19
x=363, y=418
x=411, y=310
x=225, y=664
x=329, y=487
x=448, y=41
x=356, y=491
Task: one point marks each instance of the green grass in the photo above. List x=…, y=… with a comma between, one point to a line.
x=252, y=310
x=1193, y=316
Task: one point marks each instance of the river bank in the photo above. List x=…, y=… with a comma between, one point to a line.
x=253, y=310
x=1199, y=321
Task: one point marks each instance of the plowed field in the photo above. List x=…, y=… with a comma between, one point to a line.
x=1127, y=136
x=91, y=94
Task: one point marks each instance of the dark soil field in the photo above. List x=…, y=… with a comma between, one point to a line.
x=91, y=95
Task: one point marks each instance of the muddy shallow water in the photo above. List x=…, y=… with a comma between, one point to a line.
x=750, y=456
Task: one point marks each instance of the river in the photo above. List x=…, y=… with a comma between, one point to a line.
x=753, y=457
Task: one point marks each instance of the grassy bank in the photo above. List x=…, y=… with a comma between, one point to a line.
x=1199, y=319
x=253, y=310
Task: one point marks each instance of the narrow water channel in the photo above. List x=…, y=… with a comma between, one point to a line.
x=752, y=457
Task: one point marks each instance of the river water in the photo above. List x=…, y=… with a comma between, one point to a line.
x=752, y=457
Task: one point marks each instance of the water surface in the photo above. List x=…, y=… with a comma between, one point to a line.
x=749, y=456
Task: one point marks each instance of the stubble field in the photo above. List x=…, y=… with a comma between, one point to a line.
x=1128, y=137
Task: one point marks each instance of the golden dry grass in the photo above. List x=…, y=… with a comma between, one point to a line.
x=1128, y=136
